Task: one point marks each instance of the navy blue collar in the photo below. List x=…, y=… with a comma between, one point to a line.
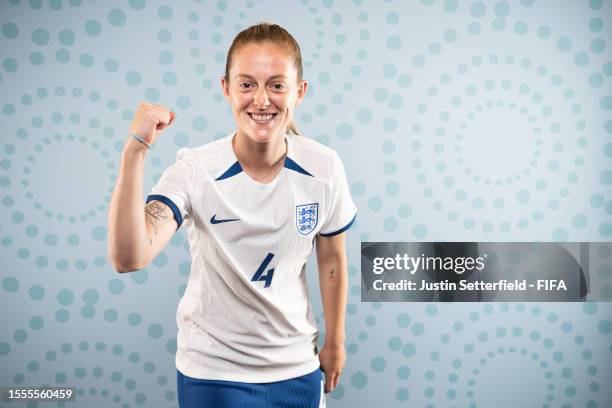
x=236, y=168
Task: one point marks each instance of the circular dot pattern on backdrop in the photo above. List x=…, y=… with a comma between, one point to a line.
x=496, y=143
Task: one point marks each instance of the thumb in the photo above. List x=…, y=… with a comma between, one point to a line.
x=162, y=124
x=172, y=116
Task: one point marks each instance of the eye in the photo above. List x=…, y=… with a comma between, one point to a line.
x=244, y=85
x=278, y=86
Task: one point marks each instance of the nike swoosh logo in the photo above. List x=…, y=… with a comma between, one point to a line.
x=215, y=221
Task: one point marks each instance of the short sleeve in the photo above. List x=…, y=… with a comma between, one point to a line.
x=173, y=187
x=341, y=209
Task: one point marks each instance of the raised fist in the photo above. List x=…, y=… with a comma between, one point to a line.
x=150, y=120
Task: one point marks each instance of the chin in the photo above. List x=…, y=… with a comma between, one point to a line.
x=263, y=135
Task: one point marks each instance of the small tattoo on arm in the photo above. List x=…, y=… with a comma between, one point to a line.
x=153, y=213
x=331, y=275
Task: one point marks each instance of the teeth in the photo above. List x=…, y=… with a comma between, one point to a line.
x=262, y=118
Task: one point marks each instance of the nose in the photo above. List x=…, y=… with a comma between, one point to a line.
x=261, y=99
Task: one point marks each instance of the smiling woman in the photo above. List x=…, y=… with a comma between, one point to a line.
x=253, y=203
x=281, y=53
x=263, y=90
x=263, y=83
x=264, y=95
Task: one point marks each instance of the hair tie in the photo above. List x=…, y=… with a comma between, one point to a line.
x=140, y=139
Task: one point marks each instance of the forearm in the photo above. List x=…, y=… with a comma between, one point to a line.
x=126, y=218
x=333, y=281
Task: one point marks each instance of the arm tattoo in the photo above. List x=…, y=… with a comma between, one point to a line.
x=154, y=213
x=331, y=275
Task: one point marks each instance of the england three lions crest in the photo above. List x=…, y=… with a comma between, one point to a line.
x=306, y=217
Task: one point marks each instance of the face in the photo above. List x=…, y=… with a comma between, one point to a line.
x=263, y=90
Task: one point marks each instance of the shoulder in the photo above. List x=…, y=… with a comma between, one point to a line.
x=210, y=157
x=318, y=159
x=307, y=145
x=205, y=151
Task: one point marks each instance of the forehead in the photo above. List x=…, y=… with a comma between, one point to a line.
x=262, y=60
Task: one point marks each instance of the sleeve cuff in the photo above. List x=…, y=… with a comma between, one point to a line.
x=341, y=230
x=177, y=213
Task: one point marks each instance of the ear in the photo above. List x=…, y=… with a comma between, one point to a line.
x=225, y=88
x=301, y=92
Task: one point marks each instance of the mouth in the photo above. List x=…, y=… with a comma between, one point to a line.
x=262, y=117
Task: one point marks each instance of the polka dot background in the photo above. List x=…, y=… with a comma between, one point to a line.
x=483, y=121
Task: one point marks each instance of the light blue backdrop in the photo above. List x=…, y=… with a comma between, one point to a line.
x=470, y=120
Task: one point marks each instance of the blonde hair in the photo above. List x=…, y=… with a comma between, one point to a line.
x=273, y=33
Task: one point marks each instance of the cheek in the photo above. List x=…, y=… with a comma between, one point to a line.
x=283, y=102
x=240, y=102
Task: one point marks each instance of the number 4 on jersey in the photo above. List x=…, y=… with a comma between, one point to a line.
x=259, y=274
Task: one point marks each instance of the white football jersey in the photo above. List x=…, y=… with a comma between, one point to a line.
x=245, y=314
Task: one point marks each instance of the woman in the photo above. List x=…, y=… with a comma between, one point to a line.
x=253, y=203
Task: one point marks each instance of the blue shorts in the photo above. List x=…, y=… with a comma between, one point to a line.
x=300, y=392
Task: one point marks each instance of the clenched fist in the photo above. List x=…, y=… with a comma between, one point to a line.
x=150, y=120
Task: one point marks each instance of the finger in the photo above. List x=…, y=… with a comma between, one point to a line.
x=172, y=116
x=327, y=382
x=163, y=121
x=158, y=107
x=336, y=381
x=155, y=108
x=330, y=383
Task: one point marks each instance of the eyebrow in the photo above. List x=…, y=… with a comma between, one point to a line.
x=271, y=78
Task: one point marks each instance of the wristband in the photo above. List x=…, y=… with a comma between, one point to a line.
x=140, y=139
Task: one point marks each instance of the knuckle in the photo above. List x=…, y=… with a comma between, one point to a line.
x=159, y=107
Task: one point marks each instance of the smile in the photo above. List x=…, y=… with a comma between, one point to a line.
x=261, y=117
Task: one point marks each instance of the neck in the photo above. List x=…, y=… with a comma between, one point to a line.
x=259, y=155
